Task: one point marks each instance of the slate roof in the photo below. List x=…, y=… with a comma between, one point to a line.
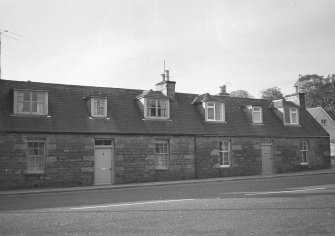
x=68, y=113
x=313, y=110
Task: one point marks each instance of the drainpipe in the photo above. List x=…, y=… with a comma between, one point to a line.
x=196, y=175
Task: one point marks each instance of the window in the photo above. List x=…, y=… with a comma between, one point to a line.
x=157, y=108
x=215, y=111
x=224, y=147
x=257, y=117
x=294, y=119
x=30, y=102
x=35, y=157
x=99, y=107
x=162, y=153
x=323, y=122
x=304, y=152
x=103, y=142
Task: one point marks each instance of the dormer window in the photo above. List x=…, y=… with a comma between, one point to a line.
x=157, y=108
x=257, y=116
x=98, y=107
x=215, y=111
x=294, y=118
x=28, y=102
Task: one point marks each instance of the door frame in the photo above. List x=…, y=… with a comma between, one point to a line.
x=112, y=157
x=272, y=156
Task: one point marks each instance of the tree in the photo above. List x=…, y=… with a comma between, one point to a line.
x=273, y=93
x=319, y=91
x=241, y=94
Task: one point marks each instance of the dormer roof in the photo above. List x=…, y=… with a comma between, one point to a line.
x=206, y=97
x=152, y=94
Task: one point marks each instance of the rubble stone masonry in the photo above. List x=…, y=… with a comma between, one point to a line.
x=69, y=159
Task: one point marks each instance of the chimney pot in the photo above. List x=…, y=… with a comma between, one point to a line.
x=223, y=89
x=163, y=77
x=167, y=75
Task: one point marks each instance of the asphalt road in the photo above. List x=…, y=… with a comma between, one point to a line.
x=300, y=205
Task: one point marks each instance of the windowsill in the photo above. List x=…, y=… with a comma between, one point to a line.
x=39, y=173
x=98, y=117
x=30, y=115
x=157, y=119
x=303, y=164
x=216, y=121
x=161, y=169
x=224, y=166
x=258, y=123
x=292, y=125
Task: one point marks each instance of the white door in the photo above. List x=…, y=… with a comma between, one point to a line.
x=267, y=159
x=103, y=171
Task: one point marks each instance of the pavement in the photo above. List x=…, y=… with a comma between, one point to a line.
x=162, y=183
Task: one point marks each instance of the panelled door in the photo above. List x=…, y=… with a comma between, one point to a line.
x=267, y=159
x=103, y=162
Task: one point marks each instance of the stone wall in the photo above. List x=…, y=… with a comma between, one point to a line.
x=69, y=161
x=70, y=158
x=287, y=155
x=245, y=157
x=135, y=159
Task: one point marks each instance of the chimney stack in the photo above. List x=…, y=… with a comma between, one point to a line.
x=166, y=86
x=302, y=102
x=223, y=91
x=297, y=98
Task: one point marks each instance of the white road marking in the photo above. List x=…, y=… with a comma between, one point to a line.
x=286, y=191
x=129, y=204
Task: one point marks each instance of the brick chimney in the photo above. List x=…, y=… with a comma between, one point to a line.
x=297, y=98
x=302, y=102
x=166, y=86
x=223, y=91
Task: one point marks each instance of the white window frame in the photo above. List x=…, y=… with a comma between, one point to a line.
x=225, y=158
x=41, y=102
x=35, y=156
x=254, y=116
x=213, y=106
x=303, y=152
x=157, y=108
x=292, y=112
x=96, y=104
x=162, y=152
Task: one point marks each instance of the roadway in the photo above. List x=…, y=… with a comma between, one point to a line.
x=291, y=205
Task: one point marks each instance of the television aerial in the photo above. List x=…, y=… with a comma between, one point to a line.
x=7, y=34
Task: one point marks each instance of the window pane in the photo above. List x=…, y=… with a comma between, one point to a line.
x=40, y=97
x=210, y=113
x=218, y=111
x=303, y=156
x=34, y=107
x=99, y=142
x=256, y=115
x=162, y=108
x=35, y=157
x=34, y=96
x=151, y=104
x=26, y=96
x=26, y=107
x=162, y=153
x=107, y=142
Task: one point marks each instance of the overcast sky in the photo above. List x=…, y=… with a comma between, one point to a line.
x=249, y=45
